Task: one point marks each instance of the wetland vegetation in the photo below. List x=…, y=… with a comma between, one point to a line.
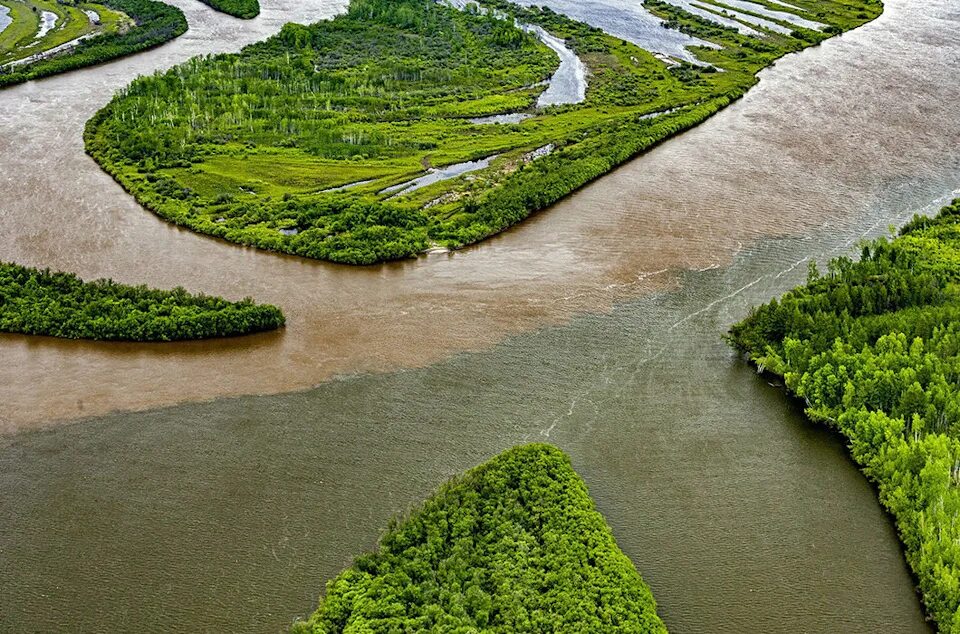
x=873, y=348
x=304, y=143
x=48, y=37
x=514, y=545
x=35, y=302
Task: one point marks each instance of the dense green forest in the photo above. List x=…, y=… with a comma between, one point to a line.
x=295, y=143
x=873, y=347
x=514, y=545
x=153, y=23
x=240, y=8
x=35, y=302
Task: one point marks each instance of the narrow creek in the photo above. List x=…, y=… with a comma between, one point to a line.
x=5, y=19
x=569, y=84
x=48, y=20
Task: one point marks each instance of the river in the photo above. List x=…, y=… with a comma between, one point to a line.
x=594, y=325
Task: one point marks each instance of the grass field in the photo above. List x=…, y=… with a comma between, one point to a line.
x=23, y=28
x=20, y=40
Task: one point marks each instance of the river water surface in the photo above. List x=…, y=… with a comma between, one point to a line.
x=594, y=325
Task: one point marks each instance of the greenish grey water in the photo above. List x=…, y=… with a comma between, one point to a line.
x=230, y=515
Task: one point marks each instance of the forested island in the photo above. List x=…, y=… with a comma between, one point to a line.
x=369, y=138
x=47, y=37
x=514, y=545
x=245, y=9
x=35, y=302
x=873, y=348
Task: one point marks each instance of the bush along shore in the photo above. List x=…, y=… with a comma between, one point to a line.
x=873, y=348
x=514, y=545
x=335, y=141
x=35, y=302
x=140, y=24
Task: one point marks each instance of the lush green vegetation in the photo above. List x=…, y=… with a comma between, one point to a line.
x=26, y=23
x=255, y=147
x=123, y=27
x=873, y=347
x=24, y=37
x=240, y=8
x=514, y=545
x=37, y=302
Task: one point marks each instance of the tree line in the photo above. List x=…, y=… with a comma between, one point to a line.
x=873, y=348
x=41, y=302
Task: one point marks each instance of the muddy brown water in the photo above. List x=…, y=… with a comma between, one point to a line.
x=823, y=136
x=594, y=325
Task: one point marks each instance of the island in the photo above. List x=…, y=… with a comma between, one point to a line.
x=35, y=302
x=404, y=126
x=514, y=545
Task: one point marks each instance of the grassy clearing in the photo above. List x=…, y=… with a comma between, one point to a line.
x=24, y=27
x=72, y=23
x=386, y=92
x=275, y=174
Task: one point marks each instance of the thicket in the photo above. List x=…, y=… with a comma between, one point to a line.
x=257, y=147
x=155, y=23
x=514, y=545
x=245, y=9
x=35, y=302
x=873, y=347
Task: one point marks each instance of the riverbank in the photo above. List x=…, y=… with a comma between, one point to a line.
x=74, y=38
x=871, y=345
x=265, y=160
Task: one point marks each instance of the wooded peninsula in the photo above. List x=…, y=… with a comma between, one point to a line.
x=514, y=545
x=35, y=302
x=873, y=348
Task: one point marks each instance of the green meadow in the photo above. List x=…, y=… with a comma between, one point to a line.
x=120, y=27
x=20, y=40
